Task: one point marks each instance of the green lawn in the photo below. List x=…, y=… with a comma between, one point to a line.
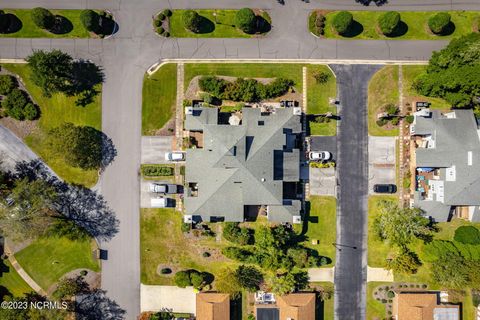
x=317, y=100
x=221, y=26
x=11, y=280
x=378, y=251
x=382, y=90
x=46, y=260
x=55, y=111
x=409, y=75
x=325, y=309
x=414, y=28
x=175, y=251
x=246, y=70
x=321, y=226
x=29, y=30
x=375, y=309
x=159, y=97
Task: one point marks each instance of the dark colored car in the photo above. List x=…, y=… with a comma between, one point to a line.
x=385, y=188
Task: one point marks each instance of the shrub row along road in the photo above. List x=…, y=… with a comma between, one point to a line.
x=127, y=55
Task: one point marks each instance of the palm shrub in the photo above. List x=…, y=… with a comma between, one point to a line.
x=246, y=20
x=439, y=23
x=389, y=22
x=191, y=20
x=342, y=22
x=42, y=18
x=90, y=20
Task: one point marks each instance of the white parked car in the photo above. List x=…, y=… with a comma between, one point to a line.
x=175, y=156
x=160, y=202
x=319, y=155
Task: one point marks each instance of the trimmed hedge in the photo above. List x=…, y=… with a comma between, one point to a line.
x=389, y=22
x=439, y=23
x=342, y=22
x=157, y=170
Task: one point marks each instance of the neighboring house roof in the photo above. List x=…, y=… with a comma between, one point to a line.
x=296, y=306
x=213, y=306
x=242, y=165
x=456, y=147
x=421, y=306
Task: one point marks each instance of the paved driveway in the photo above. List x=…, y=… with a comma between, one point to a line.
x=320, y=143
x=155, y=147
x=146, y=195
x=323, y=182
x=381, y=161
x=156, y=298
x=13, y=150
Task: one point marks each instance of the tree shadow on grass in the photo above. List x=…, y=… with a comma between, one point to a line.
x=205, y=25
x=85, y=77
x=85, y=207
x=14, y=24
x=355, y=29
x=61, y=26
x=263, y=26
x=96, y=305
x=401, y=29
x=449, y=29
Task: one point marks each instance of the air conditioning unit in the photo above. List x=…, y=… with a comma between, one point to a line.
x=297, y=111
x=188, y=110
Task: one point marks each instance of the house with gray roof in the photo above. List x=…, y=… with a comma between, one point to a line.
x=244, y=167
x=447, y=160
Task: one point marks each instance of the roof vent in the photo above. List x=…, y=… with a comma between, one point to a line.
x=263, y=179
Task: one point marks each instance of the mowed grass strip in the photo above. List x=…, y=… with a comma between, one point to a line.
x=382, y=90
x=415, y=25
x=46, y=260
x=409, y=75
x=318, y=95
x=55, y=111
x=11, y=280
x=28, y=29
x=321, y=226
x=246, y=70
x=159, y=97
x=216, y=24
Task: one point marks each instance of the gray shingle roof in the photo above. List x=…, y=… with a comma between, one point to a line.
x=457, y=145
x=242, y=165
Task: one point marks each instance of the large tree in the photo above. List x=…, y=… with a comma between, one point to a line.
x=249, y=277
x=51, y=71
x=451, y=271
x=80, y=146
x=246, y=20
x=227, y=282
x=452, y=73
x=400, y=226
x=288, y=282
x=31, y=213
x=192, y=20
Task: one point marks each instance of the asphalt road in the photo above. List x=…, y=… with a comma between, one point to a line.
x=127, y=55
x=352, y=166
x=13, y=150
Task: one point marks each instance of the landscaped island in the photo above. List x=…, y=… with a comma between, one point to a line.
x=402, y=25
x=212, y=23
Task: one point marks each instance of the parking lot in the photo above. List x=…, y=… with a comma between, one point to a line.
x=155, y=147
x=381, y=161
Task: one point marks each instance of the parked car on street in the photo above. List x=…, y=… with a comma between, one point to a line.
x=385, y=188
x=175, y=156
x=163, y=188
x=319, y=155
x=161, y=202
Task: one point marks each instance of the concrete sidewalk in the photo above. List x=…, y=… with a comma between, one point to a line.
x=321, y=274
x=379, y=274
x=157, y=298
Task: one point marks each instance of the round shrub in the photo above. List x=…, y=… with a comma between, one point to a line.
x=395, y=121
x=90, y=20
x=161, y=17
x=191, y=20
x=439, y=23
x=381, y=122
x=167, y=12
x=391, y=108
x=157, y=23
x=182, y=279
x=30, y=111
x=197, y=279
x=83, y=273
x=166, y=34
x=246, y=20
x=389, y=22
x=320, y=20
x=160, y=30
x=206, y=254
x=342, y=22
x=15, y=99
x=42, y=18
x=7, y=84
x=390, y=294
x=467, y=235
x=166, y=271
x=409, y=119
